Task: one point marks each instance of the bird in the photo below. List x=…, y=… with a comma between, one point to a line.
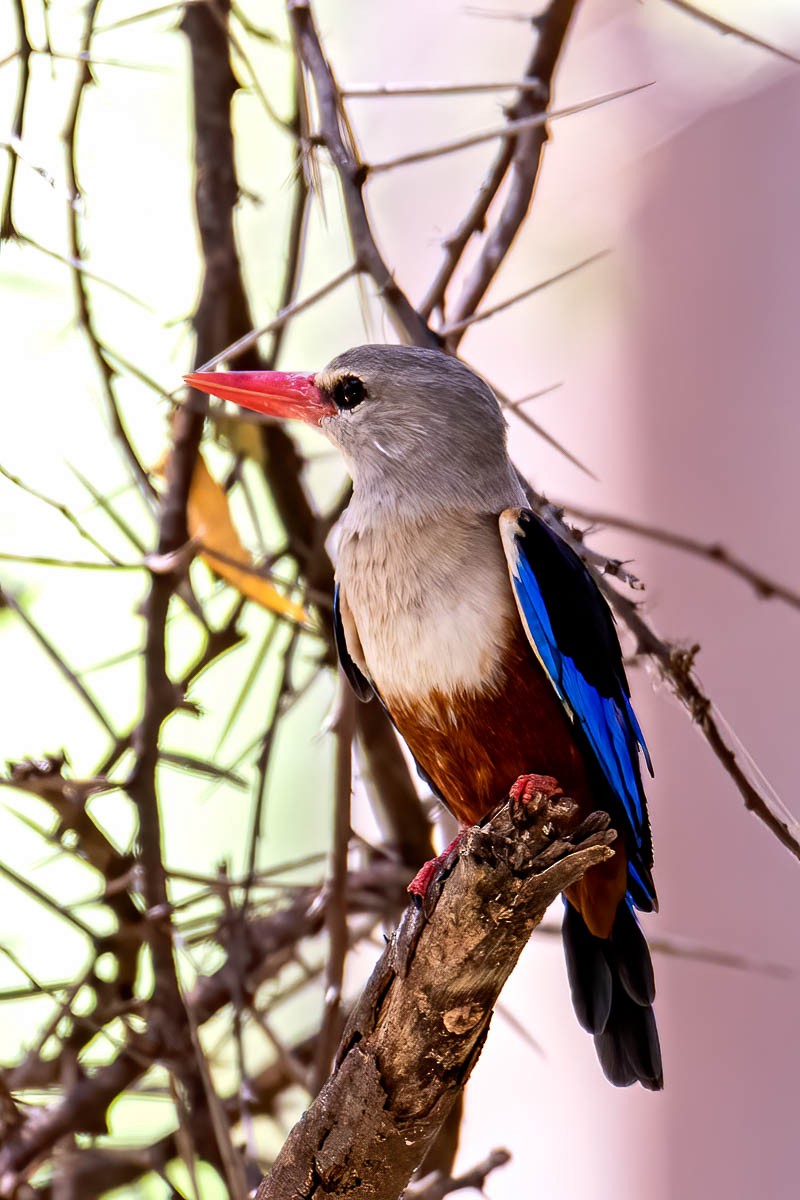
x=486, y=639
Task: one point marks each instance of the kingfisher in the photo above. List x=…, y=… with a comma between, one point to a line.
x=487, y=641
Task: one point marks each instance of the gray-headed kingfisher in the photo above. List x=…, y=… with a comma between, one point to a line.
x=487, y=641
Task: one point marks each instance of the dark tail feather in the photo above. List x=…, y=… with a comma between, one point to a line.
x=612, y=991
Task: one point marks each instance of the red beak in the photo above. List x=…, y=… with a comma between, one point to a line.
x=274, y=393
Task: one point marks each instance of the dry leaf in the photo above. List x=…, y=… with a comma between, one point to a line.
x=209, y=521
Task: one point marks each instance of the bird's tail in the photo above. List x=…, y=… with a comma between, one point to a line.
x=612, y=991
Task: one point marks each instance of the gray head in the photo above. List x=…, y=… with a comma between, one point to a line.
x=418, y=429
x=416, y=426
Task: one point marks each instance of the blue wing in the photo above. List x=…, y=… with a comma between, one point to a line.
x=571, y=630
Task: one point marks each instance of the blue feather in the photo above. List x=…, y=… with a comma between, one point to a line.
x=571, y=631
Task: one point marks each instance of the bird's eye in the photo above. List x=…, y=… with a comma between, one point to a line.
x=348, y=392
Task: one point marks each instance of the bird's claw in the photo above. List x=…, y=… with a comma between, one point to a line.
x=433, y=870
x=527, y=795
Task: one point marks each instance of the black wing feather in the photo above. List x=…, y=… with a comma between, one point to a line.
x=355, y=677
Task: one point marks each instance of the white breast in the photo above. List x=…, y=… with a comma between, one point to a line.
x=431, y=603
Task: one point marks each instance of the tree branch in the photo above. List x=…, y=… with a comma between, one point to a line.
x=271, y=942
x=441, y=1186
x=422, y=1019
x=676, y=668
x=221, y=296
x=336, y=910
x=24, y=50
x=338, y=139
x=764, y=586
x=525, y=154
x=525, y=157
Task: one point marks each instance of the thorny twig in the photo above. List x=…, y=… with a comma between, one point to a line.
x=763, y=585
x=82, y=299
x=510, y=129
x=336, y=919
x=550, y=30
x=23, y=54
x=676, y=668
x=338, y=140
x=725, y=27
x=215, y=199
x=524, y=158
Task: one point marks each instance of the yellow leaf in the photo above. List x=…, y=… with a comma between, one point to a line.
x=209, y=520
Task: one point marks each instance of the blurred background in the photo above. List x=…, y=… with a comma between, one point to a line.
x=674, y=373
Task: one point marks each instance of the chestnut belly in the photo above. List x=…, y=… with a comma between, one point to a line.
x=473, y=747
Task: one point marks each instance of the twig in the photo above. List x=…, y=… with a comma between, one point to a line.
x=221, y=301
x=364, y=91
x=106, y=372
x=510, y=129
x=514, y=406
x=65, y=512
x=25, y=885
x=438, y=1188
x=522, y=156
x=553, y=515
x=525, y=156
x=672, y=946
x=76, y=564
x=23, y=53
x=92, y=60
x=675, y=667
x=236, y=348
x=295, y=244
x=259, y=658
x=79, y=264
x=725, y=27
x=255, y=83
x=764, y=586
x=60, y=662
x=231, y=1160
x=173, y=6
x=352, y=174
x=485, y=313
x=336, y=910
x=675, y=946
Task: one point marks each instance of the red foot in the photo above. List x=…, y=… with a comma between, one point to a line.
x=527, y=786
x=427, y=873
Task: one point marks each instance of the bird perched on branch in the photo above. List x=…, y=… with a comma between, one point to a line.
x=486, y=639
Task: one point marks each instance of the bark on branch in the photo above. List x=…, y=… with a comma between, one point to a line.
x=421, y=1022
